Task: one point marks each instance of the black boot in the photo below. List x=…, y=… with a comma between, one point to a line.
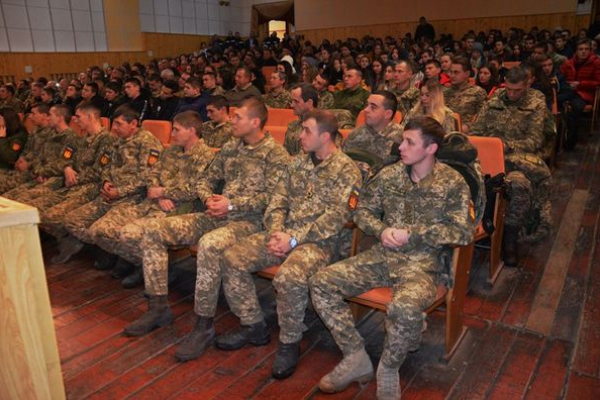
x=194, y=344
x=158, y=314
x=286, y=360
x=135, y=279
x=122, y=269
x=104, y=259
x=256, y=334
x=511, y=255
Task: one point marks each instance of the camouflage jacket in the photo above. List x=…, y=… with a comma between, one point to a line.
x=179, y=171
x=216, y=135
x=11, y=147
x=283, y=99
x=435, y=210
x=519, y=124
x=292, y=138
x=249, y=173
x=58, y=151
x=351, y=100
x=131, y=162
x=13, y=103
x=35, y=143
x=344, y=118
x=236, y=95
x=326, y=101
x=311, y=202
x=378, y=143
x=407, y=99
x=465, y=100
x=94, y=156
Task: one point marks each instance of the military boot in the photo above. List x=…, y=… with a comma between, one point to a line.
x=286, y=360
x=68, y=247
x=256, y=334
x=194, y=344
x=355, y=367
x=104, y=259
x=122, y=269
x=388, y=383
x=158, y=314
x=135, y=279
x=511, y=255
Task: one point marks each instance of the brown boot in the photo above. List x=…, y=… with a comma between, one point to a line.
x=158, y=314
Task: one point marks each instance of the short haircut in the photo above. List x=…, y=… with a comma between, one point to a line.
x=256, y=109
x=42, y=108
x=93, y=86
x=114, y=86
x=10, y=89
x=435, y=62
x=190, y=119
x=210, y=73
x=307, y=92
x=431, y=130
x=89, y=108
x=154, y=78
x=411, y=66
x=218, y=102
x=390, y=102
x=171, y=84
x=246, y=70
x=325, y=77
x=355, y=68
x=516, y=75
x=134, y=81
x=50, y=91
x=127, y=112
x=76, y=85
x=194, y=82
x=326, y=122
x=463, y=62
x=64, y=111
x=37, y=85
x=584, y=41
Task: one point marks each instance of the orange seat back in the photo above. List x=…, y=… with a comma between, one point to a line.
x=75, y=126
x=510, y=64
x=160, y=129
x=278, y=132
x=491, y=154
x=267, y=71
x=345, y=133
x=280, y=116
x=361, y=119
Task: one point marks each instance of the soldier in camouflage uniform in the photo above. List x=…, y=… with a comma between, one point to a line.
x=517, y=116
x=278, y=96
x=380, y=132
x=209, y=85
x=407, y=95
x=217, y=131
x=81, y=181
x=353, y=98
x=56, y=154
x=304, y=222
x=8, y=99
x=304, y=98
x=462, y=97
x=123, y=181
x=321, y=83
x=10, y=179
x=171, y=191
x=250, y=167
x=415, y=208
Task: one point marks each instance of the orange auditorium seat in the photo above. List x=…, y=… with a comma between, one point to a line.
x=160, y=129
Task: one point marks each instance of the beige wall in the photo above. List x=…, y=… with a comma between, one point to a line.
x=317, y=14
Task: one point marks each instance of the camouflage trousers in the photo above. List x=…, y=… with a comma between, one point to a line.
x=291, y=283
x=10, y=179
x=30, y=191
x=121, y=229
x=527, y=202
x=56, y=205
x=79, y=220
x=212, y=235
x=413, y=282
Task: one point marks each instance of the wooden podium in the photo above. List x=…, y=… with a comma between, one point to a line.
x=30, y=365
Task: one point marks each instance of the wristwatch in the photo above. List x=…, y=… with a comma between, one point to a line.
x=293, y=242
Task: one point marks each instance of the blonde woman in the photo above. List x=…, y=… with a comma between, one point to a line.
x=432, y=104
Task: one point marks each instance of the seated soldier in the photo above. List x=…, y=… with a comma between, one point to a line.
x=250, y=167
x=304, y=99
x=406, y=94
x=170, y=191
x=278, y=96
x=516, y=115
x=55, y=155
x=122, y=182
x=13, y=137
x=210, y=86
x=353, y=97
x=304, y=224
x=217, y=131
x=8, y=99
x=415, y=208
x=379, y=133
x=321, y=83
x=462, y=97
x=91, y=92
x=243, y=87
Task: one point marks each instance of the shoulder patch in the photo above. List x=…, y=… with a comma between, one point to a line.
x=68, y=152
x=105, y=159
x=153, y=157
x=353, y=200
x=16, y=146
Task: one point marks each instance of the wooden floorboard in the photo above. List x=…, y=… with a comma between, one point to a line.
x=499, y=358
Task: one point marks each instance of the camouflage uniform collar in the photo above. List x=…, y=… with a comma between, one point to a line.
x=262, y=142
x=236, y=89
x=428, y=179
x=354, y=91
x=324, y=163
x=462, y=86
x=132, y=137
x=216, y=125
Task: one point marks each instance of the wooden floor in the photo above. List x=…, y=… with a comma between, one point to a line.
x=534, y=335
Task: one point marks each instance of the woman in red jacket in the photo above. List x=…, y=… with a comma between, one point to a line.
x=583, y=74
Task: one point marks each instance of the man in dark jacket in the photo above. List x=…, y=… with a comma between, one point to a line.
x=193, y=98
